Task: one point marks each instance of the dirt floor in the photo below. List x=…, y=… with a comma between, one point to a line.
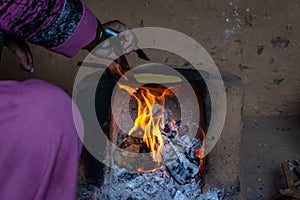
x=258, y=41
x=253, y=39
x=266, y=143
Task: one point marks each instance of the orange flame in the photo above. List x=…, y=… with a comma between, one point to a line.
x=147, y=120
x=150, y=123
x=200, y=153
x=115, y=70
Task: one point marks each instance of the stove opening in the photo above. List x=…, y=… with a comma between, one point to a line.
x=159, y=147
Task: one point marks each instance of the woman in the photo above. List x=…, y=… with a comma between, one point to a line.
x=39, y=143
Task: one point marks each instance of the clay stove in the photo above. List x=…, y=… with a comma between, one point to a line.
x=156, y=158
x=155, y=151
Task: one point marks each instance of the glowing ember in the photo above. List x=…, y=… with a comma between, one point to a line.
x=200, y=153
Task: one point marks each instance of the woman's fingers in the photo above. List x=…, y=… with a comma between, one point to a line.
x=28, y=53
x=114, y=47
x=25, y=57
x=127, y=37
x=21, y=49
x=130, y=41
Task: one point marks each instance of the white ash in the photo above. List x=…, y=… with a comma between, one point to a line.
x=163, y=183
x=176, y=179
x=179, y=152
x=150, y=185
x=180, y=159
x=157, y=185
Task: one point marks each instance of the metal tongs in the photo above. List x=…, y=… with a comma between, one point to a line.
x=109, y=32
x=122, y=62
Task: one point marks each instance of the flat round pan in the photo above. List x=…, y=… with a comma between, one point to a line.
x=161, y=74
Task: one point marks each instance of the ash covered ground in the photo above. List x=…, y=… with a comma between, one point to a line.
x=177, y=179
x=127, y=185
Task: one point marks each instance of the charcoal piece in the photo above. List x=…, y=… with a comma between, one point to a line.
x=186, y=139
x=178, y=123
x=179, y=196
x=181, y=167
x=128, y=175
x=178, y=144
x=194, y=145
x=169, y=153
x=167, y=128
x=183, y=129
x=182, y=172
x=192, y=156
x=168, y=136
x=149, y=188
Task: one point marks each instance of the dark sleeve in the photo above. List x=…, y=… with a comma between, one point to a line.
x=62, y=26
x=26, y=18
x=65, y=25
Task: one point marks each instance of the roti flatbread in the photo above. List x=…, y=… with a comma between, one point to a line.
x=156, y=78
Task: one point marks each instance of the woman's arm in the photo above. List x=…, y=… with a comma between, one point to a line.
x=62, y=26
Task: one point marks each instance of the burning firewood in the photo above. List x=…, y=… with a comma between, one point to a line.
x=180, y=154
x=131, y=159
x=159, y=136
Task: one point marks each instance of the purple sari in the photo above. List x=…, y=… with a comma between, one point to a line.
x=39, y=147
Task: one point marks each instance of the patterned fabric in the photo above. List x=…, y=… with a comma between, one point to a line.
x=27, y=18
x=63, y=27
x=40, y=146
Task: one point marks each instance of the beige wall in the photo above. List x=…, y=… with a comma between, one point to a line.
x=271, y=79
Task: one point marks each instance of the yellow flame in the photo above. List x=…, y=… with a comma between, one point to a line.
x=150, y=124
x=146, y=119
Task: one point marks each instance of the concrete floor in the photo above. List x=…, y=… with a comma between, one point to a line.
x=266, y=143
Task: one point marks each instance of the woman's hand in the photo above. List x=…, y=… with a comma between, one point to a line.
x=106, y=49
x=129, y=40
x=21, y=49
